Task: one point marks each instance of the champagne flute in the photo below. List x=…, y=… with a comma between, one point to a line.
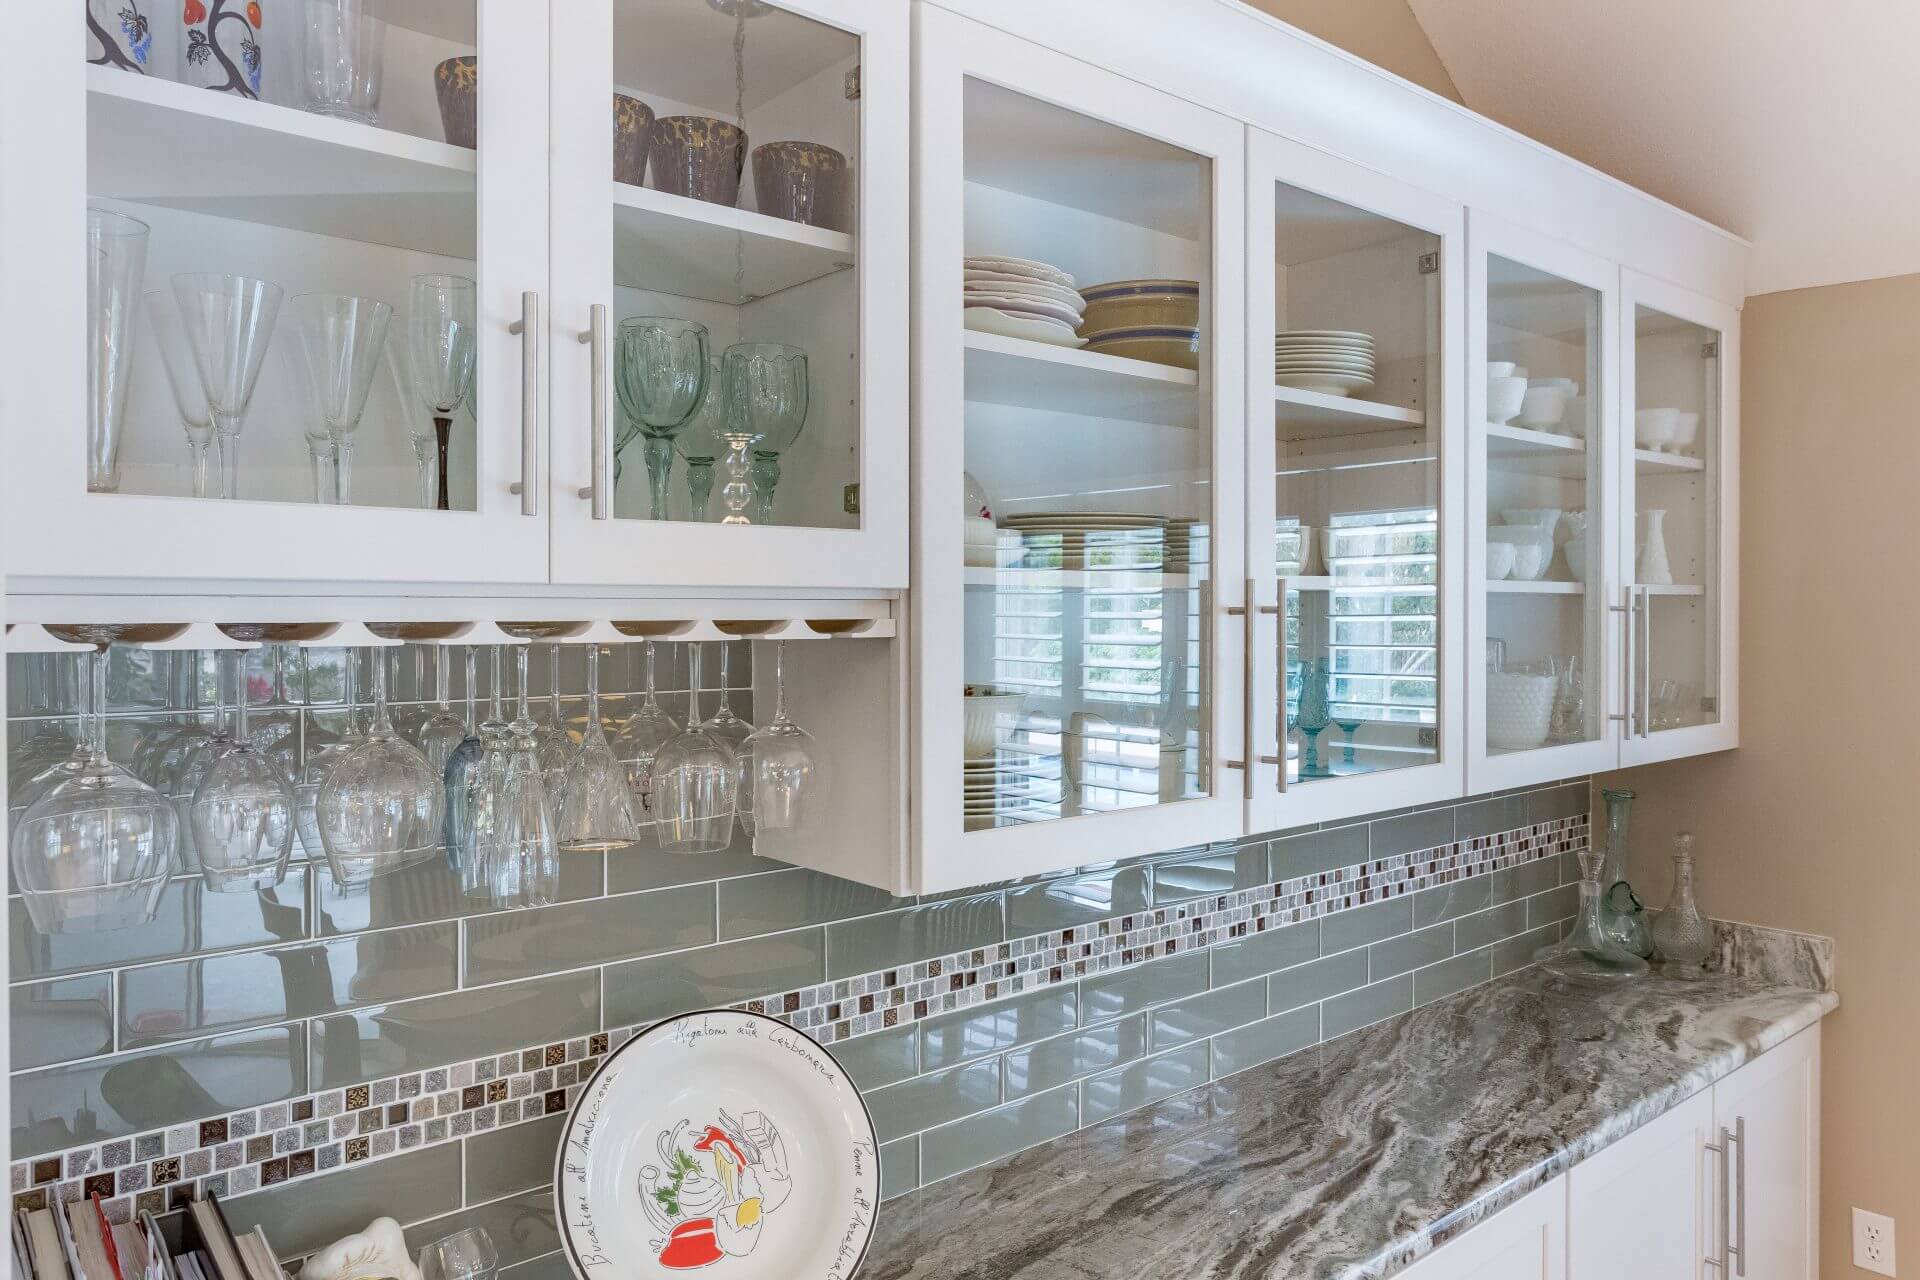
x=229, y=322
x=660, y=375
x=442, y=347
x=290, y=365
x=693, y=783
x=767, y=400
x=597, y=812
x=242, y=813
x=526, y=867
x=379, y=807
x=116, y=265
x=344, y=338
x=320, y=756
x=554, y=744
x=189, y=400
x=777, y=764
x=641, y=736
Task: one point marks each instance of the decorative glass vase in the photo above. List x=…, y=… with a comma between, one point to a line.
x=1588, y=955
x=1622, y=918
x=220, y=45
x=1681, y=933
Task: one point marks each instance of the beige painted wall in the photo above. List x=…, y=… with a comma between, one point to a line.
x=1814, y=823
x=1384, y=32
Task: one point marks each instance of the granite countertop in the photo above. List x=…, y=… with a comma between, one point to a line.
x=1351, y=1159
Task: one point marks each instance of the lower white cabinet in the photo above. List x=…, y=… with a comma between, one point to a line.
x=1770, y=1109
x=1527, y=1240
x=1642, y=1207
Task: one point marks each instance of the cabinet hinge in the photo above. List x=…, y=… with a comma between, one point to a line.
x=850, y=499
x=1710, y=351
x=853, y=85
x=1429, y=263
x=1429, y=737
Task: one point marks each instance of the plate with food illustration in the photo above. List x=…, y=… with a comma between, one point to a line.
x=721, y=1143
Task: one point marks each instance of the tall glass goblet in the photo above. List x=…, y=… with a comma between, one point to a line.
x=380, y=805
x=94, y=850
x=660, y=375
x=420, y=430
x=242, y=812
x=229, y=322
x=443, y=330
x=777, y=765
x=641, y=736
x=345, y=339
x=597, y=811
x=116, y=265
x=703, y=442
x=189, y=400
x=767, y=399
x=1316, y=713
x=693, y=784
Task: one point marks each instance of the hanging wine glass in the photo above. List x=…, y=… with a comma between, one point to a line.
x=766, y=395
x=242, y=812
x=379, y=806
x=345, y=339
x=116, y=266
x=703, y=442
x=660, y=374
x=162, y=764
x=442, y=732
x=464, y=774
x=597, y=812
x=229, y=322
x=693, y=792
x=49, y=756
x=554, y=745
x=195, y=764
x=94, y=849
x=641, y=736
x=280, y=719
x=442, y=346
x=732, y=730
x=189, y=400
x=777, y=765
x=515, y=856
x=307, y=756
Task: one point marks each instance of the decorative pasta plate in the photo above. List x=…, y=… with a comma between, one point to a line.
x=722, y=1142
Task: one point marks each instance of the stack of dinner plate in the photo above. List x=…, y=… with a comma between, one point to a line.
x=1335, y=361
x=1016, y=786
x=1123, y=538
x=1020, y=298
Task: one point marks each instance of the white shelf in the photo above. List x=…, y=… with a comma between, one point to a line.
x=1535, y=452
x=1672, y=589
x=979, y=576
x=160, y=142
x=1307, y=415
x=678, y=245
x=1541, y=588
x=1311, y=583
x=1648, y=460
x=1038, y=375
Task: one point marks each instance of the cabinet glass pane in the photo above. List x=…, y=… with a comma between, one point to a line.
x=1676, y=490
x=1357, y=485
x=1089, y=467
x=1545, y=577
x=732, y=181
x=289, y=282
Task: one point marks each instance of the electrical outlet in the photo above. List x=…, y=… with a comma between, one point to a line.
x=1873, y=1242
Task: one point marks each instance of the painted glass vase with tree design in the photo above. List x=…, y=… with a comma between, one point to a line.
x=220, y=46
x=119, y=35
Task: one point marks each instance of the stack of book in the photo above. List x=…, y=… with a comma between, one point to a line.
x=74, y=1241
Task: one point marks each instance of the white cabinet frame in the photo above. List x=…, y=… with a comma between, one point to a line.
x=1274, y=804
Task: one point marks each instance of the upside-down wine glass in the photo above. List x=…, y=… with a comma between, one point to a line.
x=693, y=792
x=281, y=719
x=486, y=790
x=442, y=732
x=163, y=764
x=463, y=773
x=318, y=752
x=94, y=850
x=641, y=736
x=345, y=339
x=116, y=265
x=554, y=745
x=766, y=403
x=660, y=374
x=50, y=753
x=189, y=399
x=776, y=765
x=229, y=322
x=723, y=723
x=196, y=763
x=380, y=804
x=521, y=866
x=242, y=812
x=442, y=346
x=597, y=812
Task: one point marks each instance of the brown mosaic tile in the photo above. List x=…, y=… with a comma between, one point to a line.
x=356, y=1149
x=496, y=1091
x=555, y=1102
x=300, y=1163
x=213, y=1132
x=273, y=1171
x=358, y=1096
x=165, y=1171
x=259, y=1148
x=30, y=1200
x=303, y=1110
x=47, y=1170
x=154, y=1202
x=100, y=1184
x=556, y=1054
x=472, y=1096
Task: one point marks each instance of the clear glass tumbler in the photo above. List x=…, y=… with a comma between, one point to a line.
x=346, y=43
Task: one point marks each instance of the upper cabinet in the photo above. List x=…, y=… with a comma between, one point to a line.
x=1079, y=506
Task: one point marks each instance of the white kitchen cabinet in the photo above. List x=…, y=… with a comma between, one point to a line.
x=1767, y=1116
x=1644, y=1206
x=1527, y=1240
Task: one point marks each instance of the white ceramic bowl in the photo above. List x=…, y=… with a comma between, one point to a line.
x=1655, y=428
x=1519, y=709
x=1547, y=518
x=1499, y=560
x=1567, y=385
x=1573, y=421
x=1504, y=397
x=1532, y=549
x=988, y=711
x=1686, y=429
x=1294, y=549
x=1501, y=368
x=1542, y=407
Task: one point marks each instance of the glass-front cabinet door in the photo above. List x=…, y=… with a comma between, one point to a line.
x=1680, y=380
x=268, y=292
x=729, y=321
x=1355, y=487
x=1077, y=470
x=1542, y=545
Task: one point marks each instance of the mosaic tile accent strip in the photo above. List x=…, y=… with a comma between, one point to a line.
x=282, y=1142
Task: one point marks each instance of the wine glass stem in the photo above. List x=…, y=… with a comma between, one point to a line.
x=197, y=449
x=659, y=473
x=239, y=661
x=553, y=681
x=493, y=696
x=97, y=684
x=520, y=656
x=380, y=725
x=441, y=677
x=726, y=704
x=699, y=488
x=766, y=476
x=229, y=445
x=442, y=431
x=693, y=684
x=219, y=692
x=322, y=490
x=593, y=687
x=353, y=691
x=473, y=687
x=343, y=473
x=780, y=681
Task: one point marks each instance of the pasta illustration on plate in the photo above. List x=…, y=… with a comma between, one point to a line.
x=713, y=1188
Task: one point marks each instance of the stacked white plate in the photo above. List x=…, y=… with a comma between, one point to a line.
x=1021, y=298
x=1015, y=786
x=1110, y=531
x=1335, y=361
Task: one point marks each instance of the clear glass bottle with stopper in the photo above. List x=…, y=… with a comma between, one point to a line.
x=1681, y=933
x=1588, y=956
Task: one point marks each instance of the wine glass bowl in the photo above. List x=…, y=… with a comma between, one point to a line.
x=766, y=405
x=693, y=789
x=660, y=376
x=379, y=805
x=777, y=765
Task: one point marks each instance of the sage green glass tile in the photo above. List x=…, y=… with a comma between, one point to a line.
x=751, y=905
x=390, y=1039
x=1133, y=1086
x=548, y=1266
x=1265, y=1040
x=1526, y=879
x=1076, y=900
x=1258, y=953
x=899, y=1167
x=983, y=1029
x=519, y=1157
x=1456, y=898
x=132, y=1092
x=59, y=1021
x=970, y=1143
x=1518, y=952
x=1054, y=1062
x=1222, y=871
x=247, y=988
x=1315, y=851
x=918, y=933
x=645, y=991
x=1306, y=983
x=881, y=1058
x=1409, y=951
x=521, y=944
x=1449, y=976
x=1483, y=927
x=1555, y=904
x=427, y=891
x=189, y=920
x=522, y=1226
x=925, y=1101
x=1201, y=1016
x=1486, y=817
x=1111, y=995
x=1368, y=1005
x=309, y=1213
x=1560, y=802
x=642, y=867
x=1409, y=832
x=1361, y=925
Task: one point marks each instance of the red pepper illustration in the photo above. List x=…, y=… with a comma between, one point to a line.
x=692, y=1244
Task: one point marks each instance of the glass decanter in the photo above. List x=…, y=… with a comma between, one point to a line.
x=1681, y=933
x=1621, y=916
x=1588, y=956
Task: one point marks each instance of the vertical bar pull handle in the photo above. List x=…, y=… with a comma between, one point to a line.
x=595, y=337
x=528, y=329
x=1625, y=714
x=1724, y=1149
x=1644, y=708
x=1739, y=1248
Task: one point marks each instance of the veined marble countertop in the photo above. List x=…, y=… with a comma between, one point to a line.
x=1351, y=1159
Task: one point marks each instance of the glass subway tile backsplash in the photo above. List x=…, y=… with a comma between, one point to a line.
x=317, y=1057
